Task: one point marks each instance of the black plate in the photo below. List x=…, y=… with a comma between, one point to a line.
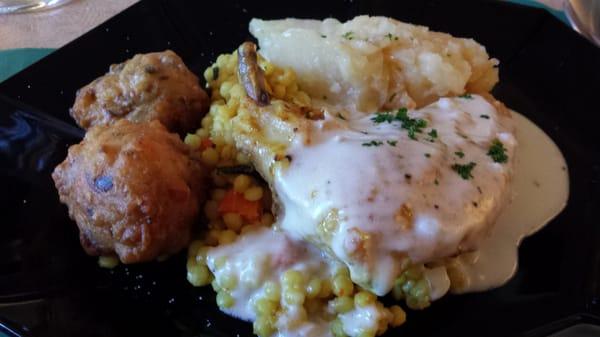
x=48, y=287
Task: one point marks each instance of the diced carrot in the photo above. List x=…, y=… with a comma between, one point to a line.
x=205, y=143
x=234, y=202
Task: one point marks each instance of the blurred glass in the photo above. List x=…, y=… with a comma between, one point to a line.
x=16, y=6
x=584, y=16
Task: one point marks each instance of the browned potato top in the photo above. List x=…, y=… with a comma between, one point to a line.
x=132, y=189
x=146, y=87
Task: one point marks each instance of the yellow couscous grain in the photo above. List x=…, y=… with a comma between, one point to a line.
x=342, y=304
x=233, y=221
x=198, y=275
x=398, y=316
x=192, y=140
x=294, y=297
x=364, y=298
x=108, y=262
x=313, y=288
x=272, y=291
x=227, y=236
x=254, y=193
x=263, y=327
x=241, y=183
x=224, y=299
x=210, y=156
x=342, y=285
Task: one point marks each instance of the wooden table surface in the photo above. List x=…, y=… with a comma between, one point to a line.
x=56, y=27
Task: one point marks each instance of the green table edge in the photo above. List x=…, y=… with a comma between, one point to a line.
x=14, y=60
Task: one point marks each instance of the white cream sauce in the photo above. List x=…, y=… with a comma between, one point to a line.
x=338, y=172
x=260, y=256
x=264, y=255
x=398, y=197
x=540, y=192
x=360, y=319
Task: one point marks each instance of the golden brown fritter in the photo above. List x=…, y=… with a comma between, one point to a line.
x=132, y=189
x=146, y=87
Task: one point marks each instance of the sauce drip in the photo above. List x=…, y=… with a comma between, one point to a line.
x=540, y=190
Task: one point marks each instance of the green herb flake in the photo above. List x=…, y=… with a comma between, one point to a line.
x=391, y=37
x=459, y=154
x=466, y=96
x=373, y=143
x=348, y=35
x=412, y=125
x=392, y=142
x=432, y=135
x=484, y=116
x=497, y=152
x=340, y=116
x=464, y=171
x=381, y=117
x=323, y=36
x=215, y=73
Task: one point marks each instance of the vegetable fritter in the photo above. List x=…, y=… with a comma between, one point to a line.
x=146, y=87
x=133, y=190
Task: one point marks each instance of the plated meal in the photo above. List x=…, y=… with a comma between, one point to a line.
x=329, y=165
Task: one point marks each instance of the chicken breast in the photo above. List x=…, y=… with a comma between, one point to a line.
x=380, y=190
x=132, y=189
x=147, y=87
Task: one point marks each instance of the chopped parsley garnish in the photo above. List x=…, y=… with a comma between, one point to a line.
x=497, y=152
x=427, y=155
x=340, y=116
x=373, y=143
x=412, y=125
x=348, y=35
x=459, y=154
x=391, y=37
x=392, y=142
x=484, y=116
x=467, y=96
x=433, y=135
x=464, y=171
x=215, y=73
x=381, y=117
x=323, y=35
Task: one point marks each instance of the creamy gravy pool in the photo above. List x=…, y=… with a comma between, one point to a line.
x=540, y=190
